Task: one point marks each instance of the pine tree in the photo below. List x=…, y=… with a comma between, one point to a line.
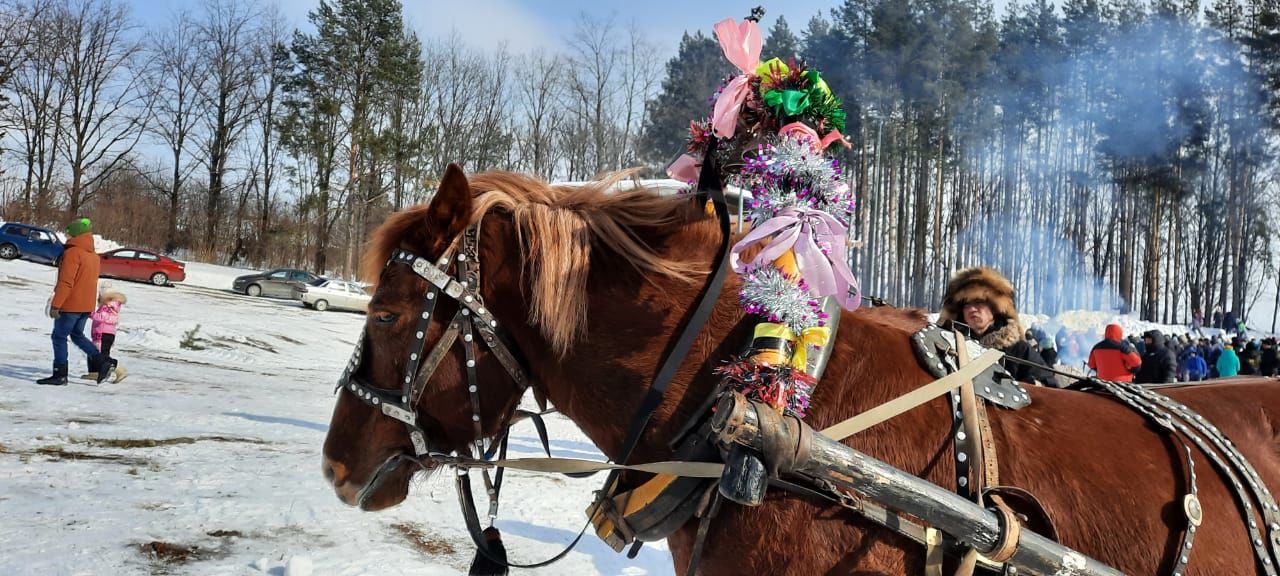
x=781, y=43
x=693, y=75
x=358, y=60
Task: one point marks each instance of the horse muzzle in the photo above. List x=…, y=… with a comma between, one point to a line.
x=361, y=494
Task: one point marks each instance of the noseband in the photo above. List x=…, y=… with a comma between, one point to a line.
x=472, y=318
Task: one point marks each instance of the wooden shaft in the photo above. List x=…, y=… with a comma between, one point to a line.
x=737, y=421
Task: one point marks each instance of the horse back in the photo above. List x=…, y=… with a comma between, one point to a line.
x=1247, y=411
x=1113, y=483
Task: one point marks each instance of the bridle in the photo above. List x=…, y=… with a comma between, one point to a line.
x=457, y=278
x=472, y=318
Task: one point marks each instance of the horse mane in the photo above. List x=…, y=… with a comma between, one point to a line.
x=558, y=226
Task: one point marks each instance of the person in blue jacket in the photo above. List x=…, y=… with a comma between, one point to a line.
x=1197, y=369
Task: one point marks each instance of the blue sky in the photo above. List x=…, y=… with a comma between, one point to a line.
x=528, y=24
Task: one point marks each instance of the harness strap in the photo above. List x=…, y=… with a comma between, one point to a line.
x=704, y=526
x=467, y=502
x=970, y=407
x=912, y=399
x=708, y=183
x=578, y=466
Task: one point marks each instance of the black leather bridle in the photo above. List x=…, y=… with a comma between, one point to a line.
x=472, y=318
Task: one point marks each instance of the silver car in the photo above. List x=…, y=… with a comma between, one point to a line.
x=279, y=283
x=335, y=294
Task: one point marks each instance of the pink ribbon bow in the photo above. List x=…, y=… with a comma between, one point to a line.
x=741, y=43
x=817, y=239
x=685, y=169
x=802, y=131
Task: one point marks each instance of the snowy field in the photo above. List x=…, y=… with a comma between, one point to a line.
x=207, y=461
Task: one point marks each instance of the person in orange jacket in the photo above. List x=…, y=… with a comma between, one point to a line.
x=1113, y=358
x=74, y=297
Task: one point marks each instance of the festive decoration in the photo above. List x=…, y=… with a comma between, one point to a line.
x=782, y=387
x=773, y=123
x=817, y=240
x=773, y=294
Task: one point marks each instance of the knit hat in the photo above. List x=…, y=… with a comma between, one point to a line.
x=77, y=227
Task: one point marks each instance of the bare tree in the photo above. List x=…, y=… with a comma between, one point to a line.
x=640, y=78
x=37, y=114
x=275, y=55
x=539, y=82
x=594, y=86
x=17, y=31
x=233, y=68
x=105, y=109
x=174, y=73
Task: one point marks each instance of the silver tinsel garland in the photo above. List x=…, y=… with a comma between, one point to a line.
x=792, y=173
x=770, y=292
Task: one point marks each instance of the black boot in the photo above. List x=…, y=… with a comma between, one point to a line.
x=59, y=377
x=106, y=366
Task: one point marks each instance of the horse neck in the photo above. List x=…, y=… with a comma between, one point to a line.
x=632, y=322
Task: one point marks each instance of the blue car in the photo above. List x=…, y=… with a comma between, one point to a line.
x=30, y=243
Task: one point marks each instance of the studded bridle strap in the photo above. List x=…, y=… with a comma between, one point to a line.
x=463, y=287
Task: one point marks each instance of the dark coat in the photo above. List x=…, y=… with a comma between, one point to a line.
x=1006, y=336
x=1249, y=361
x=1159, y=365
x=1269, y=362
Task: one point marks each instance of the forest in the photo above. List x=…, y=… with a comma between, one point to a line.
x=1107, y=155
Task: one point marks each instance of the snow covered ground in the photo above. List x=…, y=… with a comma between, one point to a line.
x=207, y=461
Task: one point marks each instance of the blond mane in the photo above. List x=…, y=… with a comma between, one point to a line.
x=558, y=227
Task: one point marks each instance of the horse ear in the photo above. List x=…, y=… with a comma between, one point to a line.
x=450, y=210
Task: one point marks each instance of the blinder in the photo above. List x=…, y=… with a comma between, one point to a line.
x=458, y=278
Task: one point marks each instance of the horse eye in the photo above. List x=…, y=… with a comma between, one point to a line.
x=385, y=317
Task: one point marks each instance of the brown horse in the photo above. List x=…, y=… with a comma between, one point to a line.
x=593, y=287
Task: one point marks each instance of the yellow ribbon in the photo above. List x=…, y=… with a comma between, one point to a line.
x=766, y=69
x=816, y=336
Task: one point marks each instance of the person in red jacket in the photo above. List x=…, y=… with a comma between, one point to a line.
x=74, y=298
x=1113, y=358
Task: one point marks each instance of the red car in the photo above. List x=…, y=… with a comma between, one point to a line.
x=135, y=264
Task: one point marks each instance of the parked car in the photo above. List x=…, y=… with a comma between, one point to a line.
x=279, y=283
x=30, y=243
x=335, y=294
x=138, y=264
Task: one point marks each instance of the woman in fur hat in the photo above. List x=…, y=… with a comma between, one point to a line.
x=982, y=300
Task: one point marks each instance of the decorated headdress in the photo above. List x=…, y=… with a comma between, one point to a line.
x=772, y=124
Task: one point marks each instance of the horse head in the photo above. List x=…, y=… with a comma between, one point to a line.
x=426, y=360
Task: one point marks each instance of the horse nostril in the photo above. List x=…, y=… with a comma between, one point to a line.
x=334, y=472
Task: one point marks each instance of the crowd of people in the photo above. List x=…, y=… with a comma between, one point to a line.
x=980, y=302
x=1157, y=358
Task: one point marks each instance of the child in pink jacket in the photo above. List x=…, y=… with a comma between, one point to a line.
x=105, y=319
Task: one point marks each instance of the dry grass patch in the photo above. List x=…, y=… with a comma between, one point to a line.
x=287, y=339
x=128, y=443
x=60, y=453
x=424, y=543
x=164, y=556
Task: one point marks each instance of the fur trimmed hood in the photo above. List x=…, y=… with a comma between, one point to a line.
x=984, y=284
x=1002, y=334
